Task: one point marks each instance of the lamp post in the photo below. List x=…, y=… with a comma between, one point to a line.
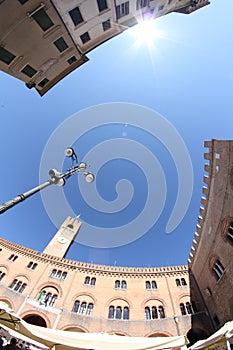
x=176, y=319
x=56, y=178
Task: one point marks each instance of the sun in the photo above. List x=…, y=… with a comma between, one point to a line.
x=146, y=32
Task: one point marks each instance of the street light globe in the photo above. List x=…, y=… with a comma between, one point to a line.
x=61, y=182
x=82, y=165
x=89, y=177
x=69, y=152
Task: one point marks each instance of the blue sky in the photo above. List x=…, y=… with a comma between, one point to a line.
x=186, y=77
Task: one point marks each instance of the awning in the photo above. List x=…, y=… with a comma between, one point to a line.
x=23, y=338
x=67, y=340
x=222, y=335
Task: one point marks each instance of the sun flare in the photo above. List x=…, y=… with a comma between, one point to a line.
x=146, y=32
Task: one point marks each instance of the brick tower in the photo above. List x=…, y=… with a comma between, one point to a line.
x=61, y=242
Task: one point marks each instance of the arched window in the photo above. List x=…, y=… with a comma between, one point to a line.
x=182, y=309
x=117, y=284
x=147, y=313
x=53, y=273
x=111, y=312
x=53, y=300
x=161, y=313
x=47, y=298
x=218, y=269
x=31, y=265
x=90, y=281
x=126, y=313
x=18, y=286
x=59, y=274
x=12, y=257
x=189, y=308
x=118, y=312
x=183, y=282
x=147, y=285
x=154, y=312
x=87, y=280
x=83, y=308
x=12, y=285
x=76, y=306
x=90, y=308
x=120, y=284
x=22, y=287
x=153, y=285
x=64, y=275
x=93, y=281
x=178, y=282
x=123, y=285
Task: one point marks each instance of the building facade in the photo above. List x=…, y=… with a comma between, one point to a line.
x=42, y=42
x=211, y=256
x=195, y=299
x=51, y=291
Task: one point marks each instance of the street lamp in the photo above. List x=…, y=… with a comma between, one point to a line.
x=176, y=319
x=56, y=178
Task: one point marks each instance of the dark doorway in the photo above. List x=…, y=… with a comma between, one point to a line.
x=36, y=320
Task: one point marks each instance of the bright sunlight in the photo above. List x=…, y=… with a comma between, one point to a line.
x=145, y=32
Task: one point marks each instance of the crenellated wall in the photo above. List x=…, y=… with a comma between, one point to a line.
x=136, y=301
x=132, y=293
x=211, y=256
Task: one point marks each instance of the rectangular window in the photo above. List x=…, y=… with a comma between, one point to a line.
x=106, y=25
x=141, y=4
x=72, y=60
x=42, y=19
x=43, y=82
x=29, y=71
x=60, y=44
x=6, y=56
x=76, y=16
x=85, y=37
x=122, y=10
x=102, y=5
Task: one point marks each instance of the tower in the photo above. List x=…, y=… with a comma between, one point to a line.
x=61, y=242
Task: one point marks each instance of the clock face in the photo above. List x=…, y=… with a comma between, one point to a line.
x=62, y=239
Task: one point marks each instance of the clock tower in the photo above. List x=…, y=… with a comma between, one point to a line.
x=61, y=242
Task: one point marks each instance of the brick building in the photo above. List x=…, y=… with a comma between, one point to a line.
x=54, y=292
x=195, y=299
x=211, y=257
